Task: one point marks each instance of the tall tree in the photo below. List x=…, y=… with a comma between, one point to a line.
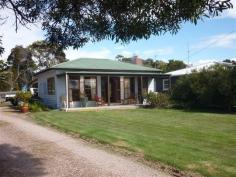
x=173, y=65
x=74, y=23
x=3, y=65
x=22, y=66
x=161, y=65
x=230, y=61
x=1, y=48
x=46, y=55
x=5, y=77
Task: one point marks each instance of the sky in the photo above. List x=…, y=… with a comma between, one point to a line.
x=209, y=40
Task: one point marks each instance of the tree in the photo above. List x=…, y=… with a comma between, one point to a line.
x=74, y=23
x=21, y=65
x=46, y=55
x=5, y=77
x=3, y=65
x=149, y=63
x=230, y=61
x=1, y=48
x=161, y=65
x=173, y=65
x=119, y=57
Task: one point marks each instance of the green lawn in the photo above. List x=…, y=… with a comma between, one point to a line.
x=192, y=141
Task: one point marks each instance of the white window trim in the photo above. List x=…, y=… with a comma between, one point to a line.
x=163, y=84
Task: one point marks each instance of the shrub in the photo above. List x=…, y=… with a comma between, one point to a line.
x=24, y=96
x=215, y=87
x=36, y=106
x=158, y=99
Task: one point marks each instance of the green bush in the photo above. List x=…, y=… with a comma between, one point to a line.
x=24, y=96
x=160, y=100
x=214, y=87
x=37, y=107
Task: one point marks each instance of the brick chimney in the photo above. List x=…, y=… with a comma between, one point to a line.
x=136, y=60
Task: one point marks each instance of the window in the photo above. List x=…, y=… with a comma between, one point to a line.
x=51, y=86
x=129, y=87
x=126, y=88
x=90, y=87
x=74, y=91
x=165, y=84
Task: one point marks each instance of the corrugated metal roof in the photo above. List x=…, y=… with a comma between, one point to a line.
x=114, y=73
x=101, y=64
x=197, y=68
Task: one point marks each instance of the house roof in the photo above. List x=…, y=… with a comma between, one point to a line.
x=197, y=68
x=101, y=64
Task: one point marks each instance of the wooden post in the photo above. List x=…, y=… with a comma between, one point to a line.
x=67, y=93
x=141, y=78
x=108, y=90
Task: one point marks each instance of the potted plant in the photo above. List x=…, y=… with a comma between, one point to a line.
x=84, y=99
x=24, y=97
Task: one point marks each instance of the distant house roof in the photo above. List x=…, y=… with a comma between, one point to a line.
x=200, y=67
x=101, y=65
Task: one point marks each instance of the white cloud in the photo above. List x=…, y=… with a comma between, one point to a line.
x=80, y=53
x=127, y=53
x=24, y=36
x=203, y=61
x=217, y=41
x=157, y=52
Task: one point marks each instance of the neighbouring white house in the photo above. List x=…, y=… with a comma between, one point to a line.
x=174, y=75
x=89, y=82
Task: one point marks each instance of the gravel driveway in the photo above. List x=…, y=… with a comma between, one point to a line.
x=28, y=149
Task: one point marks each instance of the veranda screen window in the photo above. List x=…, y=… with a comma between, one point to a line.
x=51, y=86
x=90, y=87
x=127, y=88
x=74, y=91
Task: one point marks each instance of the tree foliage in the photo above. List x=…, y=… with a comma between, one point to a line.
x=74, y=23
x=21, y=65
x=46, y=55
x=3, y=65
x=215, y=87
x=5, y=77
x=171, y=65
x=1, y=48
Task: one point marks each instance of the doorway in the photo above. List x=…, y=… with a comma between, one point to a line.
x=114, y=89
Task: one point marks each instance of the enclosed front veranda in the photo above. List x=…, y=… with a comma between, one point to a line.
x=88, y=90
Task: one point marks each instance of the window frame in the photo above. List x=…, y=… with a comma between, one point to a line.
x=72, y=89
x=91, y=88
x=51, y=87
x=163, y=84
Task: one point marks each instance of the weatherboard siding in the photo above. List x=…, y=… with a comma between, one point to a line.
x=49, y=100
x=61, y=91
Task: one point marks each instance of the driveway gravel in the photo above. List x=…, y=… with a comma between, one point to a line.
x=28, y=149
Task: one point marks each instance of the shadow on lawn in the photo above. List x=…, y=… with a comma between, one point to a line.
x=208, y=110
x=15, y=162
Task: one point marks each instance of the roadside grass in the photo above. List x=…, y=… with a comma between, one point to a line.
x=191, y=141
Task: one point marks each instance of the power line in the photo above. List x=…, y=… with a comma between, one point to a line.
x=209, y=45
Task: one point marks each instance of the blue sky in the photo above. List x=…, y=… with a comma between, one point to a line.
x=212, y=39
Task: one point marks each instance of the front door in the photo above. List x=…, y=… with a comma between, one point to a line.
x=114, y=89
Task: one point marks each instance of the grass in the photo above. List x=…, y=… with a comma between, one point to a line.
x=191, y=141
